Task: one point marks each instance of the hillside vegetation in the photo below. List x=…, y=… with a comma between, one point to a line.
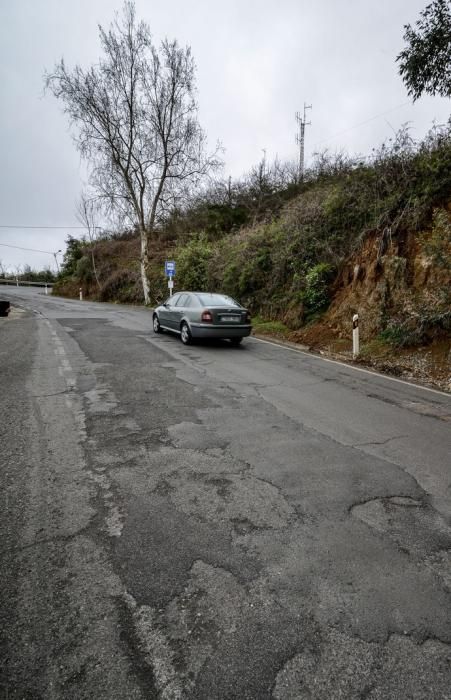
x=371, y=236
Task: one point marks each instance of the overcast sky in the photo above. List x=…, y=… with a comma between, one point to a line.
x=257, y=63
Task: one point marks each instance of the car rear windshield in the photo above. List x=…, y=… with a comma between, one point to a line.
x=216, y=300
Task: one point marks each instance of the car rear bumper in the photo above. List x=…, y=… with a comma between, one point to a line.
x=202, y=330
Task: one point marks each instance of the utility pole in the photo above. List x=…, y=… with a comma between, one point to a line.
x=302, y=123
x=56, y=260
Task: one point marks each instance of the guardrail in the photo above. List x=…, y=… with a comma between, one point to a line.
x=25, y=283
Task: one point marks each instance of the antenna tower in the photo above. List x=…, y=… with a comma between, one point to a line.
x=302, y=123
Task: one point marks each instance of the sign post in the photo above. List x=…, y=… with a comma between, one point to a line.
x=169, y=270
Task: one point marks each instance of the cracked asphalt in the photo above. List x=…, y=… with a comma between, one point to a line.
x=211, y=522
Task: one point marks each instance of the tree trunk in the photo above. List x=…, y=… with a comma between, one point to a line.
x=145, y=265
x=94, y=268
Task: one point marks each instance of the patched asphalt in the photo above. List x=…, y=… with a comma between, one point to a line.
x=214, y=522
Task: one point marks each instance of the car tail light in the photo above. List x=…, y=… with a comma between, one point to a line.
x=206, y=317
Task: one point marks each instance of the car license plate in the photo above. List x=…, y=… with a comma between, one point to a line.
x=230, y=319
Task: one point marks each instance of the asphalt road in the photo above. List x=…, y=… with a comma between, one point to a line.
x=213, y=522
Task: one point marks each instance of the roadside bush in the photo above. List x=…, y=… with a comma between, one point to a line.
x=84, y=270
x=316, y=294
x=399, y=335
x=255, y=268
x=193, y=262
x=439, y=243
x=417, y=330
x=231, y=277
x=123, y=286
x=246, y=266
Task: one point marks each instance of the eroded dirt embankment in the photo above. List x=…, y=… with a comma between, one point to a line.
x=401, y=288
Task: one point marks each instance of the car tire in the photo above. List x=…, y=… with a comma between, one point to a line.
x=185, y=334
x=156, y=324
x=236, y=341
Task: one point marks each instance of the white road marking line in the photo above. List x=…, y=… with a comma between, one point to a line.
x=356, y=369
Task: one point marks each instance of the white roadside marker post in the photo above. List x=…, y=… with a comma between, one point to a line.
x=355, y=335
x=81, y=294
x=46, y=290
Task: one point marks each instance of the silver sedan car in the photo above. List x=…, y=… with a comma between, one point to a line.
x=201, y=315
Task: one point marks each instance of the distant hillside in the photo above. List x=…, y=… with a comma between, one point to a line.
x=356, y=236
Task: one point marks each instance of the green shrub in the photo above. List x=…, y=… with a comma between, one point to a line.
x=84, y=270
x=439, y=243
x=193, y=262
x=231, y=275
x=417, y=330
x=255, y=271
x=248, y=268
x=316, y=294
x=271, y=327
x=399, y=336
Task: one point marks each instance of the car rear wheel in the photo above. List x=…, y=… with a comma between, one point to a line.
x=156, y=324
x=236, y=341
x=185, y=334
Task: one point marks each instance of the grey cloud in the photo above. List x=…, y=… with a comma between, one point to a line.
x=257, y=64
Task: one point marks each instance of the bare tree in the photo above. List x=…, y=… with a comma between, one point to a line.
x=87, y=216
x=136, y=117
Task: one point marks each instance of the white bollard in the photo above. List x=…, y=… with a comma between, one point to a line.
x=46, y=290
x=355, y=335
x=81, y=294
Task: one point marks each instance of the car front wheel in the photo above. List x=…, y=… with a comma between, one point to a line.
x=156, y=324
x=185, y=334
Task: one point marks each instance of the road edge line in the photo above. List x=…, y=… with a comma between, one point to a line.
x=374, y=373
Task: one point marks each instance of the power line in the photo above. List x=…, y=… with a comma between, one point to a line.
x=33, y=250
x=61, y=228
x=356, y=126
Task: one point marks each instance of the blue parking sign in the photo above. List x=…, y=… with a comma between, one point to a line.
x=169, y=268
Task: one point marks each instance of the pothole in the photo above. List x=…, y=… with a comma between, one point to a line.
x=413, y=525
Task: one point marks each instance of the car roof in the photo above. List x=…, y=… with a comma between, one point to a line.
x=204, y=294
x=210, y=294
